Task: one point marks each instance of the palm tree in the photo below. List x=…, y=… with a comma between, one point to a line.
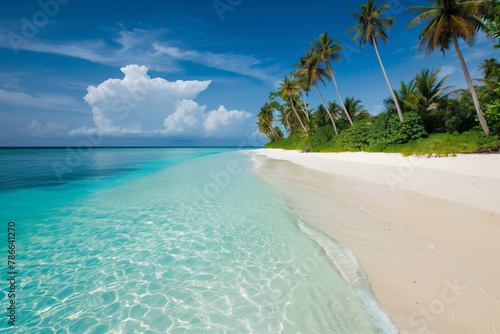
x=265, y=120
x=286, y=119
x=303, y=87
x=321, y=116
x=290, y=88
x=279, y=133
x=448, y=21
x=336, y=110
x=491, y=16
x=309, y=120
x=355, y=108
x=488, y=66
x=310, y=72
x=263, y=125
x=326, y=50
x=428, y=89
x=370, y=27
x=402, y=95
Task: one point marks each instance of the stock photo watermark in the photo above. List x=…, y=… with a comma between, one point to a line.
x=32, y=25
x=407, y=167
x=223, y=6
x=429, y=313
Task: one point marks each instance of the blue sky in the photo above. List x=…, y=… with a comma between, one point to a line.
x=183, y=73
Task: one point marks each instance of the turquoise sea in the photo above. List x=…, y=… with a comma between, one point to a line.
x=168, y=240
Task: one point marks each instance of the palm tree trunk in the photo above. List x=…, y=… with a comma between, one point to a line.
x=306, y=112
x=275, y=134
x=297, y=114
x=338, y=92
x=327, y=110
x=288, y=126
x=471, y=87
x=387, y=79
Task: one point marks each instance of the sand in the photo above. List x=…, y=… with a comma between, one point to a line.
x=425, y=230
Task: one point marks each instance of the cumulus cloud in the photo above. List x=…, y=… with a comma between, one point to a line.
x=221, y=118
x=141, y=105
x=190, y=118
x=50, y=129
x=186, y=119
x=137, y=103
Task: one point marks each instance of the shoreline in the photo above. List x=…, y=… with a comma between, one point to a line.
x=426, y=243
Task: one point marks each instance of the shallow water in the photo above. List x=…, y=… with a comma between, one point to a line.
x=171, y=240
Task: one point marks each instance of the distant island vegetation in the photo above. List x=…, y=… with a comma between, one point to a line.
x=422, y=116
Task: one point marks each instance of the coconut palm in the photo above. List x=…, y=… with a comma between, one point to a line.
x=355, y=109
x=327, y=50
x=491, y=16
x=290, y=88
x=285, y=117
x=309, y=120
x=303, y=88
x=321, y=116
x=403, y=95
x=278, y=132
x=336, y=110
x=371, y=25
x=449, y=20
x=488, y=66
x=429, y=88
x=310, y=72
x=263, y=124
x=265, y=120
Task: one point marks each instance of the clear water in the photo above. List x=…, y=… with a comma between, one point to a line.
x=169, y=241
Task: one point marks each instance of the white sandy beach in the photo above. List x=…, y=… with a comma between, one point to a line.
x=425, y=230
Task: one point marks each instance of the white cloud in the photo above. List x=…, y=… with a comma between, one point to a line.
x=377, y=109
x=83, y=131
x=191, y=119
x=46, y=101
x=137, y=103
x=50, y=129
x=147, y=47
x=141, y=105
x=447, y=70
x=186, y=119
x=242, y=64
x=470, y=55
x=222, y=122
x=9, y=80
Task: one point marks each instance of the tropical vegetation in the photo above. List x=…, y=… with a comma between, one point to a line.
x=424, y=115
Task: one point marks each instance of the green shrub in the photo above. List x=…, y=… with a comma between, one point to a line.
x=377, y=147
x=490, y=95
x=446, y=143
x=360, y=137
x=457, y=114
x=354, y=138
x=412, y=128
x=390, y=130
x=321, y=135
x=296, y=141
x=378, y=129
